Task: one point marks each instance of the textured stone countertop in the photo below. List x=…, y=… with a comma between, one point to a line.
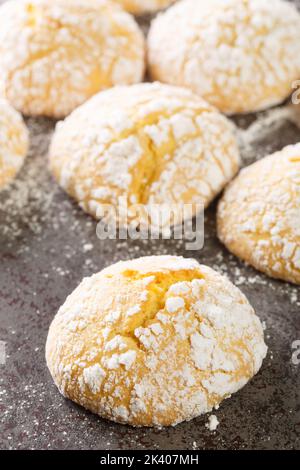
x=47, y=245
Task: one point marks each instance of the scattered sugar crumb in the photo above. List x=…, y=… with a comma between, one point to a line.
x=87, y=247
x=213, y=423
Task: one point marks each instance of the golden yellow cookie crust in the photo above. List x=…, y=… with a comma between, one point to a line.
x=56, y=54
x=259, y=215
x=14, y=141
x=240, y=55
x=138, y=7
x=154, y=341
x=146, y=144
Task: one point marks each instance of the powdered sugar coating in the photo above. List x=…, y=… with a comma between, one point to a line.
x=240, y=55
x=259, y=215
x=139, y=7
x=159, y=366
x=55, y=55
x=13, y=143
x=147, y=144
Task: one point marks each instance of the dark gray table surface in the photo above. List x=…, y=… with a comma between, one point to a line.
x=47, y=245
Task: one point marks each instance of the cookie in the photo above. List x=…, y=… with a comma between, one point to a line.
x=154, y=341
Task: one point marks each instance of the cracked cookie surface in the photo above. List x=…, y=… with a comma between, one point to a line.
x=148, y=144
x=154, y=341
x=56, y=54
x=259, y=215
x=14, y=142
x=240, y=55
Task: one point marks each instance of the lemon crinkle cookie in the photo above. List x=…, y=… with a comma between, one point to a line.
x=54, y=55
x=14, y=142
x=145, y=144
x=240, y=55
x=139, y=7
x=154, y=341
x=259, y=215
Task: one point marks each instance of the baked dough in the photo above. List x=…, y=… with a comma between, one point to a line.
x=138, y=7
x=154, y=341
x=145, y=144
x=259, y=215
x=240, y=55
x=13, y=143
x=56, y=54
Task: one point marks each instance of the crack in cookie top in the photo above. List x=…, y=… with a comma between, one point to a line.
x=139, y=7
x=13, y=143
x=154, y=341
x=259, y=215
x=148, y=144
x=240, y=55
x=54, y=55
